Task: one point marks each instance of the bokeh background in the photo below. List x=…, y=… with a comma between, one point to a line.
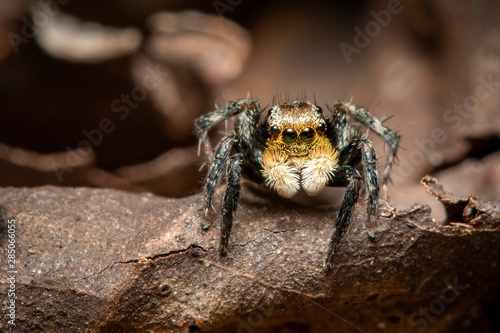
x=104, y=94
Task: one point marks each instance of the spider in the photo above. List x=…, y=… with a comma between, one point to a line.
x=295, y=147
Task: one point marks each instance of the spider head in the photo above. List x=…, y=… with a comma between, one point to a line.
x=295, y=127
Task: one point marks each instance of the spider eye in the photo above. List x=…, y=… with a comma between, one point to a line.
x=275, y=129
x=321, y=128
x=289, y=135
x=307, y=134
x=319, y=109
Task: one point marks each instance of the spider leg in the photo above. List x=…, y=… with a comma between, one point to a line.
x=247, y=123
x=358, y=150
x=349, y=176
x=371, y=181
x=230, y=200
x=223, y=152
x=390, y=137
x=361, y=150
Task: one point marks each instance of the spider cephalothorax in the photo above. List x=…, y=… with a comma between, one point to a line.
x=295, y=147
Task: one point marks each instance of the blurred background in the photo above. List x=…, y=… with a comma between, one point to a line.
x=104, y=94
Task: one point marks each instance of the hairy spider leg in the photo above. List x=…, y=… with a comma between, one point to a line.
x=228, y=160
x=358, y=150
x=371, y=181
x=361, y=150
x=223, y=152
x=247, y=124
x=230, y=200
x=353, y=151
x=390, y=137
x=350, y=177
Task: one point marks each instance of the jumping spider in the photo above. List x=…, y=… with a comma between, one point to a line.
x=295, y=146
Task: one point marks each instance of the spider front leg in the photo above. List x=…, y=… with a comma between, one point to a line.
x=390, y=137
x=349, y=176
x=230, y=200
x=223, y=152
x=358, y=150
x=370, y=178
x=362, y=151
x=250, y=113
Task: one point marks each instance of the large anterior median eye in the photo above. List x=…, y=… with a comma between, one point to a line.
x=307, y=134
x=289, y=135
